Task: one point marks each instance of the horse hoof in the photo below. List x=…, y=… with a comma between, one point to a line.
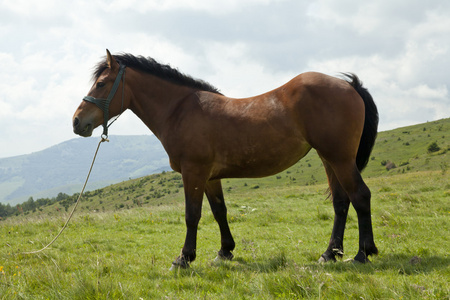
x=325, y=258
x=219, y=258
x=175, y=267
x=366, y=261
x=361, y=258
x=222, y=256
x=179, y=263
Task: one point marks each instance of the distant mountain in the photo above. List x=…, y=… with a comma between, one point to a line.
x=64, y=167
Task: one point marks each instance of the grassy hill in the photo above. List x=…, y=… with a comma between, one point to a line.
x=399, y=151
x=122, y=239
x=408, y=149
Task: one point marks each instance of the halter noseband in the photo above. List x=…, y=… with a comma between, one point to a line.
x=103, y=103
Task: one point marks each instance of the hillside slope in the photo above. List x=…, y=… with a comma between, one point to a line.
x=405, y=148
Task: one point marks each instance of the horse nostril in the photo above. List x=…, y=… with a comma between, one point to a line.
x=76, y=122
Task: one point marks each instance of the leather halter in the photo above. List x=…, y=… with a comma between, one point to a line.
x=104, y=104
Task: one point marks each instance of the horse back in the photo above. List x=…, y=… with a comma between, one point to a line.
x=263, y=135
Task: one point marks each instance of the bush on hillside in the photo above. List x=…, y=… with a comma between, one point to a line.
x=390, y=165
x=433, y=147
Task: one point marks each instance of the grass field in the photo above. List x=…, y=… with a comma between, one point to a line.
x=123, y=238
x=280, y=231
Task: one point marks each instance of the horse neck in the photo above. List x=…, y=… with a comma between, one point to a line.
x=154, y=100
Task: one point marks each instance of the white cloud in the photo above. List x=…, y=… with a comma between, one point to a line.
x=209, y=6
x=400, y=49
x=237, y=74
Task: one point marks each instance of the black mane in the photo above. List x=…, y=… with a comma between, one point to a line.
x=151, y=66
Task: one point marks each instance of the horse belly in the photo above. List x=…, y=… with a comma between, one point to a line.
x=259, y=160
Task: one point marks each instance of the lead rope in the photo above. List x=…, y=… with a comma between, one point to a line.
x=104, y=139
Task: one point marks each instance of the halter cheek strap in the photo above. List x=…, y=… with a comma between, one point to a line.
x=104, y=104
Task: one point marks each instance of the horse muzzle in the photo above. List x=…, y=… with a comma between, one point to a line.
x=82, y=129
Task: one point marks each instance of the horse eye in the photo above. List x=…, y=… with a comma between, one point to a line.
x=100, y=84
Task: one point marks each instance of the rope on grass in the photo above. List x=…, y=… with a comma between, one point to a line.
x=104, y=139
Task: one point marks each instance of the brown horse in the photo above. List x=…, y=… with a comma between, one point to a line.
x=209, y=136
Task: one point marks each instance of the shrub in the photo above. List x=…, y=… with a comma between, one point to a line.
x=390, y=165
x=433, y=147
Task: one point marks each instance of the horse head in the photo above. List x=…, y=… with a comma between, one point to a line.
x=102, y=101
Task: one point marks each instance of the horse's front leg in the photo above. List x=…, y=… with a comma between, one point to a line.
x=217, y=202
x=194, y=187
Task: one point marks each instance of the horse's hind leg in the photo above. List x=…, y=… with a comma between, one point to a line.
x=359, y=194
x=216, y=200
x=341, y=203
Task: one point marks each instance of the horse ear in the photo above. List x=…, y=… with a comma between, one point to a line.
x=111, y=61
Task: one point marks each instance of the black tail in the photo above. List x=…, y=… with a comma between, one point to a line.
x=369, y=134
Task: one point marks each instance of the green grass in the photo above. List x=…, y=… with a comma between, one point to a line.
x=280, y=234
x=405, y=147
x=123, y=238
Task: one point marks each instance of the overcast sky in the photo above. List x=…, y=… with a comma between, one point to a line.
x=399, y=48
